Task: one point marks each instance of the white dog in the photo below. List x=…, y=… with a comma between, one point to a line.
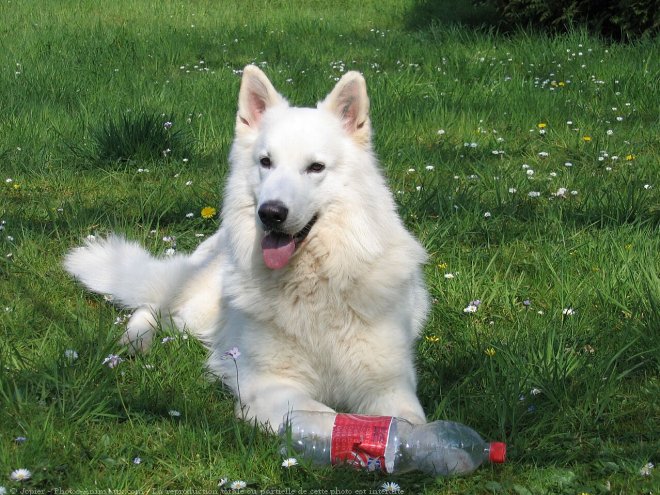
x=312, y=275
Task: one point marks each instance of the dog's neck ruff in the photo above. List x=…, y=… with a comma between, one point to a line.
x=278, y=247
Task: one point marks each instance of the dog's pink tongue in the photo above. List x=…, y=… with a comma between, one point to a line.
x=277, y=250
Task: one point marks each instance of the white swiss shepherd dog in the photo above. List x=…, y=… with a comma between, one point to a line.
x=312, y=275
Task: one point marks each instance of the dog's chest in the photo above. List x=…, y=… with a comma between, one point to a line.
x=308, y=305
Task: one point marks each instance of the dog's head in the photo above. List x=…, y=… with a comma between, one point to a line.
x=298, y=157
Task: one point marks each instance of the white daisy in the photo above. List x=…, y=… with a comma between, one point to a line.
x=70, y=354
x=20, y=475
x=390, y=487
x=290, y=462
x=238, y=485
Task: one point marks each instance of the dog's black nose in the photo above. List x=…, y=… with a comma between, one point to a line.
x=272, y=214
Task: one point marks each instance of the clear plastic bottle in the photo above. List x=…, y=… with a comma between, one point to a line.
x=386, y=443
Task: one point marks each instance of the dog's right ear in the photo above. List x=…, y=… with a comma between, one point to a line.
x=256, y=95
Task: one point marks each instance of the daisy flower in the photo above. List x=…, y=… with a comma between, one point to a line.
x=290, y=462
x=390, y=487
x=20, y=475
x=174, y=413
x=70, y=354
x=238, y=485
x=568, y=311
x=3, y=490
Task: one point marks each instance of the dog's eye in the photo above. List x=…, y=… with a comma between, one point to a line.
x=265, y=162
x=316, y=167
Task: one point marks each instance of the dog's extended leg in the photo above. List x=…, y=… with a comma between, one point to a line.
x=271, y=400
x=401, y=402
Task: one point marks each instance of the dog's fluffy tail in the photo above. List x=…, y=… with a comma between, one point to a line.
x=125, y=271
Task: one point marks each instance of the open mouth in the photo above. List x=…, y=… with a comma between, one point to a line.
x=278, y=247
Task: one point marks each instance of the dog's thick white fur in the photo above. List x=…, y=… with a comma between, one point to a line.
x=312, y=275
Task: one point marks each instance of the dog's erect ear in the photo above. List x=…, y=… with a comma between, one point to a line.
x=256, y=95
x=349, y=101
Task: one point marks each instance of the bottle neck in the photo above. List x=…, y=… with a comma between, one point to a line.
x=496, y=452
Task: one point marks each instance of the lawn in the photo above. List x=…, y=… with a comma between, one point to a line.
x=528, y=166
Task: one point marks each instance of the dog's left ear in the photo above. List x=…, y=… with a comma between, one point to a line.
x=349, y=101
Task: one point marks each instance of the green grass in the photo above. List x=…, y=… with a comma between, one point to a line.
x=68, y=69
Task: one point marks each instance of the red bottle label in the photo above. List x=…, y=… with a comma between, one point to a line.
x=360, y=441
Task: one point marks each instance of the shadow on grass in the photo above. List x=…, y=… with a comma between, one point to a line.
x=428, y=12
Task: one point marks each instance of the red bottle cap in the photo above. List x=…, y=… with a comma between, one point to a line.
x=497, y=452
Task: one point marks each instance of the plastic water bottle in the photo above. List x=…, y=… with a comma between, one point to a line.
x=386, y=443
